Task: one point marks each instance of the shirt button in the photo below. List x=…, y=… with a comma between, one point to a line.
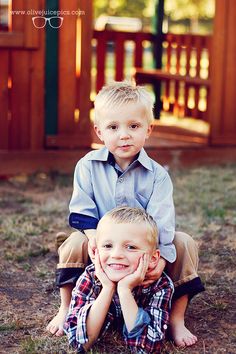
x=165, y=326
x=121, y=179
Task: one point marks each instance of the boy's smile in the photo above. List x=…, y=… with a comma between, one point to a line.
x=123, y=131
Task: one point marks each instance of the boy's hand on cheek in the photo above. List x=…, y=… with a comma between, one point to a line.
x=130, y=281
x=91, y=248
x=155, y=273
x=101, y=275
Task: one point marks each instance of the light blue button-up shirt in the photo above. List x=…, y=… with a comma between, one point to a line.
x=144, y=184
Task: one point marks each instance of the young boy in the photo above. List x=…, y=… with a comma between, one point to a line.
x=109, y=293
x=119, y=174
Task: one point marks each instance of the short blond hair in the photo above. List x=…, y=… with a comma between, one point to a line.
x=117, y=94
x=129, y=215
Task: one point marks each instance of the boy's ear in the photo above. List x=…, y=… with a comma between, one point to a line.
x=154, y=259
x=149, y=131
x=98, y=132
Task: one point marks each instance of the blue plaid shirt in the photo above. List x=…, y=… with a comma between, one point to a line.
x=152, y=319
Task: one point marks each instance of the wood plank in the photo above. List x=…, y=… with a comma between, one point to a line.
x=31, y=34
x=138, y=52
x=68, y=141
x=222, y=111
x=229, y=119
x=18, y=162
x=101, y=60
x=156, y=74
x=67, y=69
x=84, y=128
x=20, y=93
x=119, y=58
x=37, y=89
x=11, y=40
x=18, y=19
x=4, y=99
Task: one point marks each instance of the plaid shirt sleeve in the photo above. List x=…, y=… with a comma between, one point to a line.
x=148, y=333
x=83, y=296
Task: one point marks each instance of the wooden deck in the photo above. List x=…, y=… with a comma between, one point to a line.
x=168, y=152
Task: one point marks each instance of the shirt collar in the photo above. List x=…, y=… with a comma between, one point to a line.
x=104, y=155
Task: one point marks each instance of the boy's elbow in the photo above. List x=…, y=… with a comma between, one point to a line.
x=89, y=344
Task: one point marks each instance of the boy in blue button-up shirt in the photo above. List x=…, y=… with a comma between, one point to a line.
x=121, y=174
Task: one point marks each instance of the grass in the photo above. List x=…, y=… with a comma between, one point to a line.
x=33, y=208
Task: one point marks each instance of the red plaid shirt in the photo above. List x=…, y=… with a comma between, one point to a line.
x=151, y=322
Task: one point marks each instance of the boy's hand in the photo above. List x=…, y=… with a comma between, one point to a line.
x=154, y=274
x=92, y=247
x=130, y=281
x=101, y=275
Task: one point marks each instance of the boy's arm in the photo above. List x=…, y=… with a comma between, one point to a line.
x=154, y=274
x=125, y=286
x=151, y=322
x=91, y=233
x=161, y=208
x=79, y=330
x=100, y=307
x=83, y=210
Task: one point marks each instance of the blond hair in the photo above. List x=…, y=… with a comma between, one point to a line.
x=117, y=94
x=129, y=215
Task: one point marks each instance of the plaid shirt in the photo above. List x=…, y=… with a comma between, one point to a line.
x=151, y=322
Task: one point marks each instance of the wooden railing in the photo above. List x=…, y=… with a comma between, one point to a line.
x=184, y=74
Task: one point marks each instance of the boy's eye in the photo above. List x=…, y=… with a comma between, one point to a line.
x=131, y=247
x=134, y=126
x=112, y=127
x=107, y=245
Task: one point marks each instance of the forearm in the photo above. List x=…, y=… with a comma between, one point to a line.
x=97, y=314
x=129, y=307
x=90, y=233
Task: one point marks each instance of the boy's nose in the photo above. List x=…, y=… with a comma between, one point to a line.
x=124, y=134
x=116, y=253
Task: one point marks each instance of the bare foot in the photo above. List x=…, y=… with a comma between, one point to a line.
x=181, y=335
x=55, y=326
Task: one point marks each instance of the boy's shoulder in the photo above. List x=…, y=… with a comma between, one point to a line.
x=163, y=283
x=152, y=164
x=95, y=155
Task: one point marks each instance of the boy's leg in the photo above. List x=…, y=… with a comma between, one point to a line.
x=73, y=258
x=187, y=283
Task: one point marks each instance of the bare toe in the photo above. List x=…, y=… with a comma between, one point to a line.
x=182, y=336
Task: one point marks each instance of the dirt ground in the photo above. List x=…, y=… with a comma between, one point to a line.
x=34, y=208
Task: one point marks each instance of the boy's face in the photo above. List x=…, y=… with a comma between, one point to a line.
x=120, y=247
x=123, y=131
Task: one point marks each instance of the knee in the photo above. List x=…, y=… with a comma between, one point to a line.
x=76, y=241
x=184, y=241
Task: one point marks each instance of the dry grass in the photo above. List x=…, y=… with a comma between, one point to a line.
x=34, y=208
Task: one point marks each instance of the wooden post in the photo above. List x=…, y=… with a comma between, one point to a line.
x=158, y=55
x=222, y=110
x=84, y=126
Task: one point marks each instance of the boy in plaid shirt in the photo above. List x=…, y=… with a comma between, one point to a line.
x=109, y=293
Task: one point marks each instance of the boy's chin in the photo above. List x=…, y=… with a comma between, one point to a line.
x=116, y=277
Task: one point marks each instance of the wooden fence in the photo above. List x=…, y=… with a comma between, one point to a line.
x=22, y=82
x=185, y=67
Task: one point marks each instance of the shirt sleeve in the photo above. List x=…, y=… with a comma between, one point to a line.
x=83, y=210
x=161, y=207
x=151, y=324
x=142, y=320
x=81, y=302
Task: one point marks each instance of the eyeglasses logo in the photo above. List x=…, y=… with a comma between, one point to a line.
x=54, y=22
